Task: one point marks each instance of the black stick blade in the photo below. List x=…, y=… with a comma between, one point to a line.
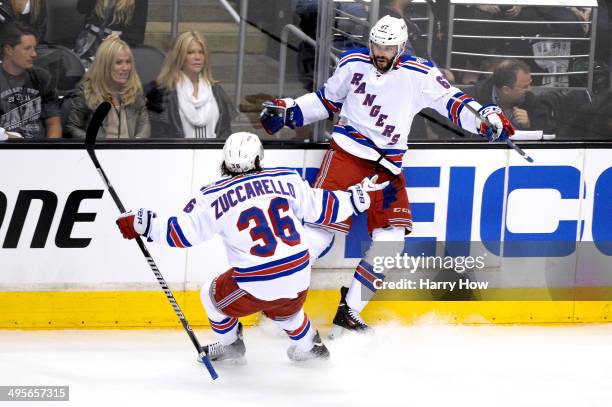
x=96, y=122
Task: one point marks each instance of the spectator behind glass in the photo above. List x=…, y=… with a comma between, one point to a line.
x=31, y=14
x=185, y=101
x=28, y=101
x=125, y=18
x=112, y=77
x=509, y=88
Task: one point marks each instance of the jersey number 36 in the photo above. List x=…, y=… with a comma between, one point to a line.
x=282, y=228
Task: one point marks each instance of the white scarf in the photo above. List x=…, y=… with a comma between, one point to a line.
x=198, y=115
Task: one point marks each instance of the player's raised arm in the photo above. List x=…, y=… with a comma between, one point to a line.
x=453, y=103
x=314, y=106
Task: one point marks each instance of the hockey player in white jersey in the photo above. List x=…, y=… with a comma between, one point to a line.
x=376, y=93
x=258, y=213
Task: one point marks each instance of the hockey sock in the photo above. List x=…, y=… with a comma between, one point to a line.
x=225, y=330
x=299, y=330
x=224, y=327
x=362, y=287
x=387, y=242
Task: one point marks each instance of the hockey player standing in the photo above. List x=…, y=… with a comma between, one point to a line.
x=258, y=213
x=376, y=92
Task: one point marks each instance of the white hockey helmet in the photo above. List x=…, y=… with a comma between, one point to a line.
x=390, y=31
x=241, y=151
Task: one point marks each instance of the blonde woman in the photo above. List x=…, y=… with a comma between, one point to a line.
x=31, y=14
x=126, y=18
x=113, y=78
x=185, y=101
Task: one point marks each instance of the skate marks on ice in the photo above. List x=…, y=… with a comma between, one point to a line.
x=427, y=364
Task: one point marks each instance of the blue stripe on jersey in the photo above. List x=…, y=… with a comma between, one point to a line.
x=354, y=55
x=331, y=107
x=328, y=216
x=174, y=234
x=272, y=263
x=265, y=173
x=365, y=60
x=324, y=202
x=272, y=270
x=364, y=140
x=266, y=277
x=410, y=58
x=454, y=107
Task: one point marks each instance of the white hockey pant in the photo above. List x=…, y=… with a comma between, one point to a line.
x=319, y=241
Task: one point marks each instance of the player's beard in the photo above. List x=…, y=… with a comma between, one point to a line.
x=383, y=64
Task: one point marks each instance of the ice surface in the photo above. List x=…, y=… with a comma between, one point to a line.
x=428, y=364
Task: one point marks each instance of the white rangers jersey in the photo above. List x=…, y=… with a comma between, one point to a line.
x=259, y=216
x=376, y=110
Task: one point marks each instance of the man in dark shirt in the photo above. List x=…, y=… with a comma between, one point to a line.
x=28, y=102
x=509, y=88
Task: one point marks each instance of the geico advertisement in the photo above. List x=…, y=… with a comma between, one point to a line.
x=57, y=222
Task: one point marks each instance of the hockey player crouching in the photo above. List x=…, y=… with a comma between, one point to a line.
x=258, y=213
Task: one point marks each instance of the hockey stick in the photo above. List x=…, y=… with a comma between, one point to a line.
x=509, y=142
x=90, y=142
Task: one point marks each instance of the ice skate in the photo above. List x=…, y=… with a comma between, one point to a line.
x=319, y=351
x=232, y=353
x=347, y=318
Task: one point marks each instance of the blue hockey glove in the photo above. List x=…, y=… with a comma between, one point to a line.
x=389, y=195
x=280, y=112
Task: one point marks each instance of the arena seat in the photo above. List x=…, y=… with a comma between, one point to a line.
x=64, y=22
x=63, y=64
x=148, y=61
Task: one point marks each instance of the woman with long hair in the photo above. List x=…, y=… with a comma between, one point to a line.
x=185, y=101
x=113, y=78
x=125, y=18
x=31, y=14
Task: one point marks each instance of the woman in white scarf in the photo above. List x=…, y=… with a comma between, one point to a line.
x=197, y=106
x=186, y=71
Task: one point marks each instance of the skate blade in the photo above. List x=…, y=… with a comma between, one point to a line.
x=336, y=332
x=240, y=361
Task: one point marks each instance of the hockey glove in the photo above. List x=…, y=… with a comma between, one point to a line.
x=359, y=193
x=389, y=195
x=280, y=112
x=500, y=128
x=132, y=225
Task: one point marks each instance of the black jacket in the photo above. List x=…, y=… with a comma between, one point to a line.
x=77, y=114
x=133, y=32
x=38, y=26
x=165, y=117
